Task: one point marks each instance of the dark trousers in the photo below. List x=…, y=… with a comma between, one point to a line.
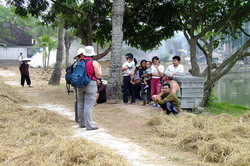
x=137, y=88
x=128, y=87
x=27, y=78
x=169, y=108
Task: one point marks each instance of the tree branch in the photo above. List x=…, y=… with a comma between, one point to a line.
x=99, y=56
x=186, y=35
x=245, y=33
x=227, y=65
x=202, y=48
x=242, y=11
x=99, y=19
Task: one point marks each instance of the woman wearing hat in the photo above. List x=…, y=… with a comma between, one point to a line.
x=86, y=96
x=24, y=70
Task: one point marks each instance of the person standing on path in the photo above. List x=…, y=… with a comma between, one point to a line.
x=86, y=96
x=24, y=70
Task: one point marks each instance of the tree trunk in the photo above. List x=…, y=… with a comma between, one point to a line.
x=206, y=93
x=222, y=70
x=114, y=84
x=194, y=63
x=68, y=39
x=56, y=75
x=89, y=34
x=48, y=60
x=67, y=47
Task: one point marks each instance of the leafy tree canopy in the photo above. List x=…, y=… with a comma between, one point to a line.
x=29, y=24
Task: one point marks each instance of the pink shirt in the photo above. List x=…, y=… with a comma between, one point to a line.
x=90, y=69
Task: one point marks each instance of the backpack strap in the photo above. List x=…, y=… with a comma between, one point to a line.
x=87, y=60
x=68, y=88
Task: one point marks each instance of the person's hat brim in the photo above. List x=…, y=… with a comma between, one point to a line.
x=26, y=60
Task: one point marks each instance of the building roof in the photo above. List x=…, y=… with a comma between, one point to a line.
x=10, y=35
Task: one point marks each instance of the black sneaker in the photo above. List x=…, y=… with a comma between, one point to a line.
x=94, y=128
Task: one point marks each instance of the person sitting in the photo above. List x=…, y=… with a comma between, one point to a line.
x=176, y=68
x=101, y=96
x=168, y=101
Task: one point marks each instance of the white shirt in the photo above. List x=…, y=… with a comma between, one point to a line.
x=155, y=71
x=20, y=58
x=175, y=70
x=130, y=66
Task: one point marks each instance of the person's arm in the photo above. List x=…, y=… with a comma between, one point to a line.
x=101, y=88
x=152, y=69
x=159, y=70
x=165, y=99
x=97, y=69
x=124, y=67
x=141, y=73
x=181, y=69
x=175, y=87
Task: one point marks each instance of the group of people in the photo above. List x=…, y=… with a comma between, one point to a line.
x=156, y=84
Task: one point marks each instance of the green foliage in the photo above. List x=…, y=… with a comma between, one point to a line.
x=223, y=107
x=46, y=42
x=28, y=24
x=147, y=23
x=212, y=99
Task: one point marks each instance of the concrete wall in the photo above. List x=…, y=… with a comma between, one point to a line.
x=12, y=52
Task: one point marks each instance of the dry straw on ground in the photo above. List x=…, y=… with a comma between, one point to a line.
x=221, y=139
x=40, y=137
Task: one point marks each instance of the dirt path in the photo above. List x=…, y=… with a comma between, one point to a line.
x=133, y=152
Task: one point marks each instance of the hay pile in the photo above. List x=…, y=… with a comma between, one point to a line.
x=221, y=139
x=40, y=137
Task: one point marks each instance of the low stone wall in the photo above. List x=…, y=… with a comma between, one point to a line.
x=10, y=62
x=191, y=90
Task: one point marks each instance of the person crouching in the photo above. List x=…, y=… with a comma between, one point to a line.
x=168, y=101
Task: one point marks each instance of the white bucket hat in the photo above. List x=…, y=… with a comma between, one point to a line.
x=168, y=74
x=89, y=51
x=80, y=51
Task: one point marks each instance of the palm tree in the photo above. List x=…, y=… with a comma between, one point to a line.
x=51, y=45
x=47, y=44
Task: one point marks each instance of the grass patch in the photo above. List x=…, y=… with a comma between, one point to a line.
x=223, y=107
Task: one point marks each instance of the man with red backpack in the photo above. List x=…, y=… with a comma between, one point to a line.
x=86, y=91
